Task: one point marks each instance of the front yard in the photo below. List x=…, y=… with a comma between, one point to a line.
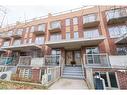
x=19, y=85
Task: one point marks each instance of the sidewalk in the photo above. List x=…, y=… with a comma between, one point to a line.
x=69, y=84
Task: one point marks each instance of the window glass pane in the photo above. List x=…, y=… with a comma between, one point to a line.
x=67, y=35
x=41, y=27
x=103, y=75
x=76, y=35
x=112, y=78
x=17, y=42
x=39, y=40
x=30, y=41
x=27, y=29
x=75, y=20
x=32, y=29
x=67, y=22
x=6, y=43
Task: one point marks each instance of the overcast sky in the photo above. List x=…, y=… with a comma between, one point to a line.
x=28, y=9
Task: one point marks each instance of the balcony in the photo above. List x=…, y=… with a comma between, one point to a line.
x=116, y=16
x=91, y=20
x=23, y=47
x=75, y=43
x=96, y=61
x=55, y=27
x=118, y=61
x=41, y=30
x=17, y=34
x=122, y=39
x=5, y=36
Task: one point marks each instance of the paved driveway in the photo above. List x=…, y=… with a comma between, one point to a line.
x=64, y=83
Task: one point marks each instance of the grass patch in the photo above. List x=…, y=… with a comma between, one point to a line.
x=20, y=85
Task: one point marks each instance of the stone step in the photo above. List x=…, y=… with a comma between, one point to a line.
x=71, y=71
x=72, y=77
x=73, y=74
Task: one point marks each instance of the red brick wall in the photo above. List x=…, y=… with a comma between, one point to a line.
x=122, y=78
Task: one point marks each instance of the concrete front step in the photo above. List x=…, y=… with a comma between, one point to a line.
x=72, y=77
x=72, y=71
x=67, y=73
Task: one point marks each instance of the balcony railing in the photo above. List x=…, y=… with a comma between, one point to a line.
x=6, y=36
x=52, y=60
x=55, y=27
x=96, y=60
x=116, y=15
x=90, y=20
x=17, y=34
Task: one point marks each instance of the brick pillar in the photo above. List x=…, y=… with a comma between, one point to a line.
x=80, y=26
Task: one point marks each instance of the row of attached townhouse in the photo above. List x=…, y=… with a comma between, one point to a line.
x=84, y=43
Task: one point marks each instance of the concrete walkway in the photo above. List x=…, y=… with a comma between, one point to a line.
x=64, y=83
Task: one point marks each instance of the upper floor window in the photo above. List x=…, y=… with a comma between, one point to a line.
x=76, y=36
x=55, y=37
x=32, y=29
x=89, y=18
x=41, y=27
x=117, y=31
x=91, y=33
x=39, y=40
x=19, y=31
x=55, y=24
x=75, y=20
x=25, y=41
x=6, y=43
x=27, y=29
x=67, y=35
x=17, y=42
x=67, y=21
x=30, y=41
x=9, y=33
x=115, y=13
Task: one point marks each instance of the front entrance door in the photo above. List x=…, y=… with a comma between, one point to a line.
x=74, y=56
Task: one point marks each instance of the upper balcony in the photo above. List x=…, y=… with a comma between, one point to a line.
x=55, y=26
x=23, y=47
x=75, y=42
x=122, y=39
x=6, y=35
x=90, y=20
x=41, y=29
x=115, y=16
x=5, y=44
x=17, y=33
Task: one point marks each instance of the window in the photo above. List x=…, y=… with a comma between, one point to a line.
x=25, y=41
x=6, y=43
x=30, y=41
x=32, y=29
x=16, y=42
x=39, y=40
x=75, y=20
x=19, y=31
x=55, y=37
x=117, y=31
x=89, y=18
x=27, y=29
x=67, y=22
x=67, y=35
x=76, y=35
x=9, y=33
x=55, y=24
x=92, y=57
x=91, y=33
x=41, y=27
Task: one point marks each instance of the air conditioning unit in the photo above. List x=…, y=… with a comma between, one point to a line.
x=5, y=75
